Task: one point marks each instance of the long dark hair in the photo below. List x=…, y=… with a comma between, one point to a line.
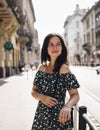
x=62, y=58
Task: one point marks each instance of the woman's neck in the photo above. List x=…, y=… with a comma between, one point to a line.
x=50, y=66
x=52, y=62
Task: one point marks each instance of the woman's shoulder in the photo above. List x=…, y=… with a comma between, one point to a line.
x=42, y=68
x=64, y=69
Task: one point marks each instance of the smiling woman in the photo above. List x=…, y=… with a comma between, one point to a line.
x=51, y=82
x=54, y=47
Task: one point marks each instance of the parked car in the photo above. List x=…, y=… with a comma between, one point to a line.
x=98, y=69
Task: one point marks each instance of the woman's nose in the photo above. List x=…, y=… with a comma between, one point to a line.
x=55, y=47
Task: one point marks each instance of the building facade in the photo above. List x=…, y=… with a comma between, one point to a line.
x=73, y=32
x=97, y=30
x=91, y=35
x=16, y=35
x=88, y=36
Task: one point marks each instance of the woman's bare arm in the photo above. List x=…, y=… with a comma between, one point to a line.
x=47, y=100
x=74, y=98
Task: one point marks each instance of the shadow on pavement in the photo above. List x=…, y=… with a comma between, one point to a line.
x=20, y=74
x=2, y=82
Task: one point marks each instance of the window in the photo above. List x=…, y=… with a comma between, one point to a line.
x=98, y=20
x=88, y=37
x=92, y=36
x=77, y=24
x=91, y=19
x=78, y=35
x=87, y=23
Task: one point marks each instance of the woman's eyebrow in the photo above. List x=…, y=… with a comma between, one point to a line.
x=59, y=42
x=56, y=43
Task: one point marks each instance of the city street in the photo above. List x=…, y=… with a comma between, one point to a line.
x=89, y=89
x=31, y=32
x=17, y=106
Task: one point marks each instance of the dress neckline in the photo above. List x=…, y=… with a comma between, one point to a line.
x=53, y=73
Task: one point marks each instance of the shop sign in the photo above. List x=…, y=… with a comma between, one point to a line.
x=8, y=46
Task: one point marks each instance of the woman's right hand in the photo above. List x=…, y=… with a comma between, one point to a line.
x=48, y=101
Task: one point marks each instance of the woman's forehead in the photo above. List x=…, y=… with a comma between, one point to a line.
x=55, y=38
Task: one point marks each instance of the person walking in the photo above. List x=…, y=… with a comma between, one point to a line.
x=51, y=82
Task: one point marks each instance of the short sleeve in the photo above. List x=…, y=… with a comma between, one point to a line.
x=71, y=81
x=36, y=79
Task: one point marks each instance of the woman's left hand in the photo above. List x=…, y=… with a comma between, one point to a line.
x=64, y=115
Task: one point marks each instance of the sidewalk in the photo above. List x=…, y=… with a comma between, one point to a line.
x=17, y=107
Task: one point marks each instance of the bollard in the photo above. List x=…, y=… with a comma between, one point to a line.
x=82, y=122
x=27, y=74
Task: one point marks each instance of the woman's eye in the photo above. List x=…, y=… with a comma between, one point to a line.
x=51, y=45
x=58, y=44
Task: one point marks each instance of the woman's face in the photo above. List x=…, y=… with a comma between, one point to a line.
x=54, y=47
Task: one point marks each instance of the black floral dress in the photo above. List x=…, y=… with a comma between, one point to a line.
x=54, y=85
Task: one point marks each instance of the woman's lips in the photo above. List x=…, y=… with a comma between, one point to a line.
x=54, y=51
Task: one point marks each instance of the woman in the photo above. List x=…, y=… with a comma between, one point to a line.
x=51, y=82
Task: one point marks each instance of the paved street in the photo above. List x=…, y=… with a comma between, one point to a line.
x=88, y=79
x=90, y=89
x=17, y=106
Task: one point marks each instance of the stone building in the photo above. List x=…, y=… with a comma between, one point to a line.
x=73, y=33
x=91, y=34
x=28, y=53
x=88, y=35
x=97, y=30
x=17, y=35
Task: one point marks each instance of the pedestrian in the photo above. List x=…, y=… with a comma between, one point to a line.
x=36, y=63
x=51, y=82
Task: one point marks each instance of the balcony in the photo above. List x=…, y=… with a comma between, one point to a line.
x=87, y=47
x=17, y=10
x=24, y=36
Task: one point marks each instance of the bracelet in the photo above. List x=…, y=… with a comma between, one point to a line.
x=67, y=106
